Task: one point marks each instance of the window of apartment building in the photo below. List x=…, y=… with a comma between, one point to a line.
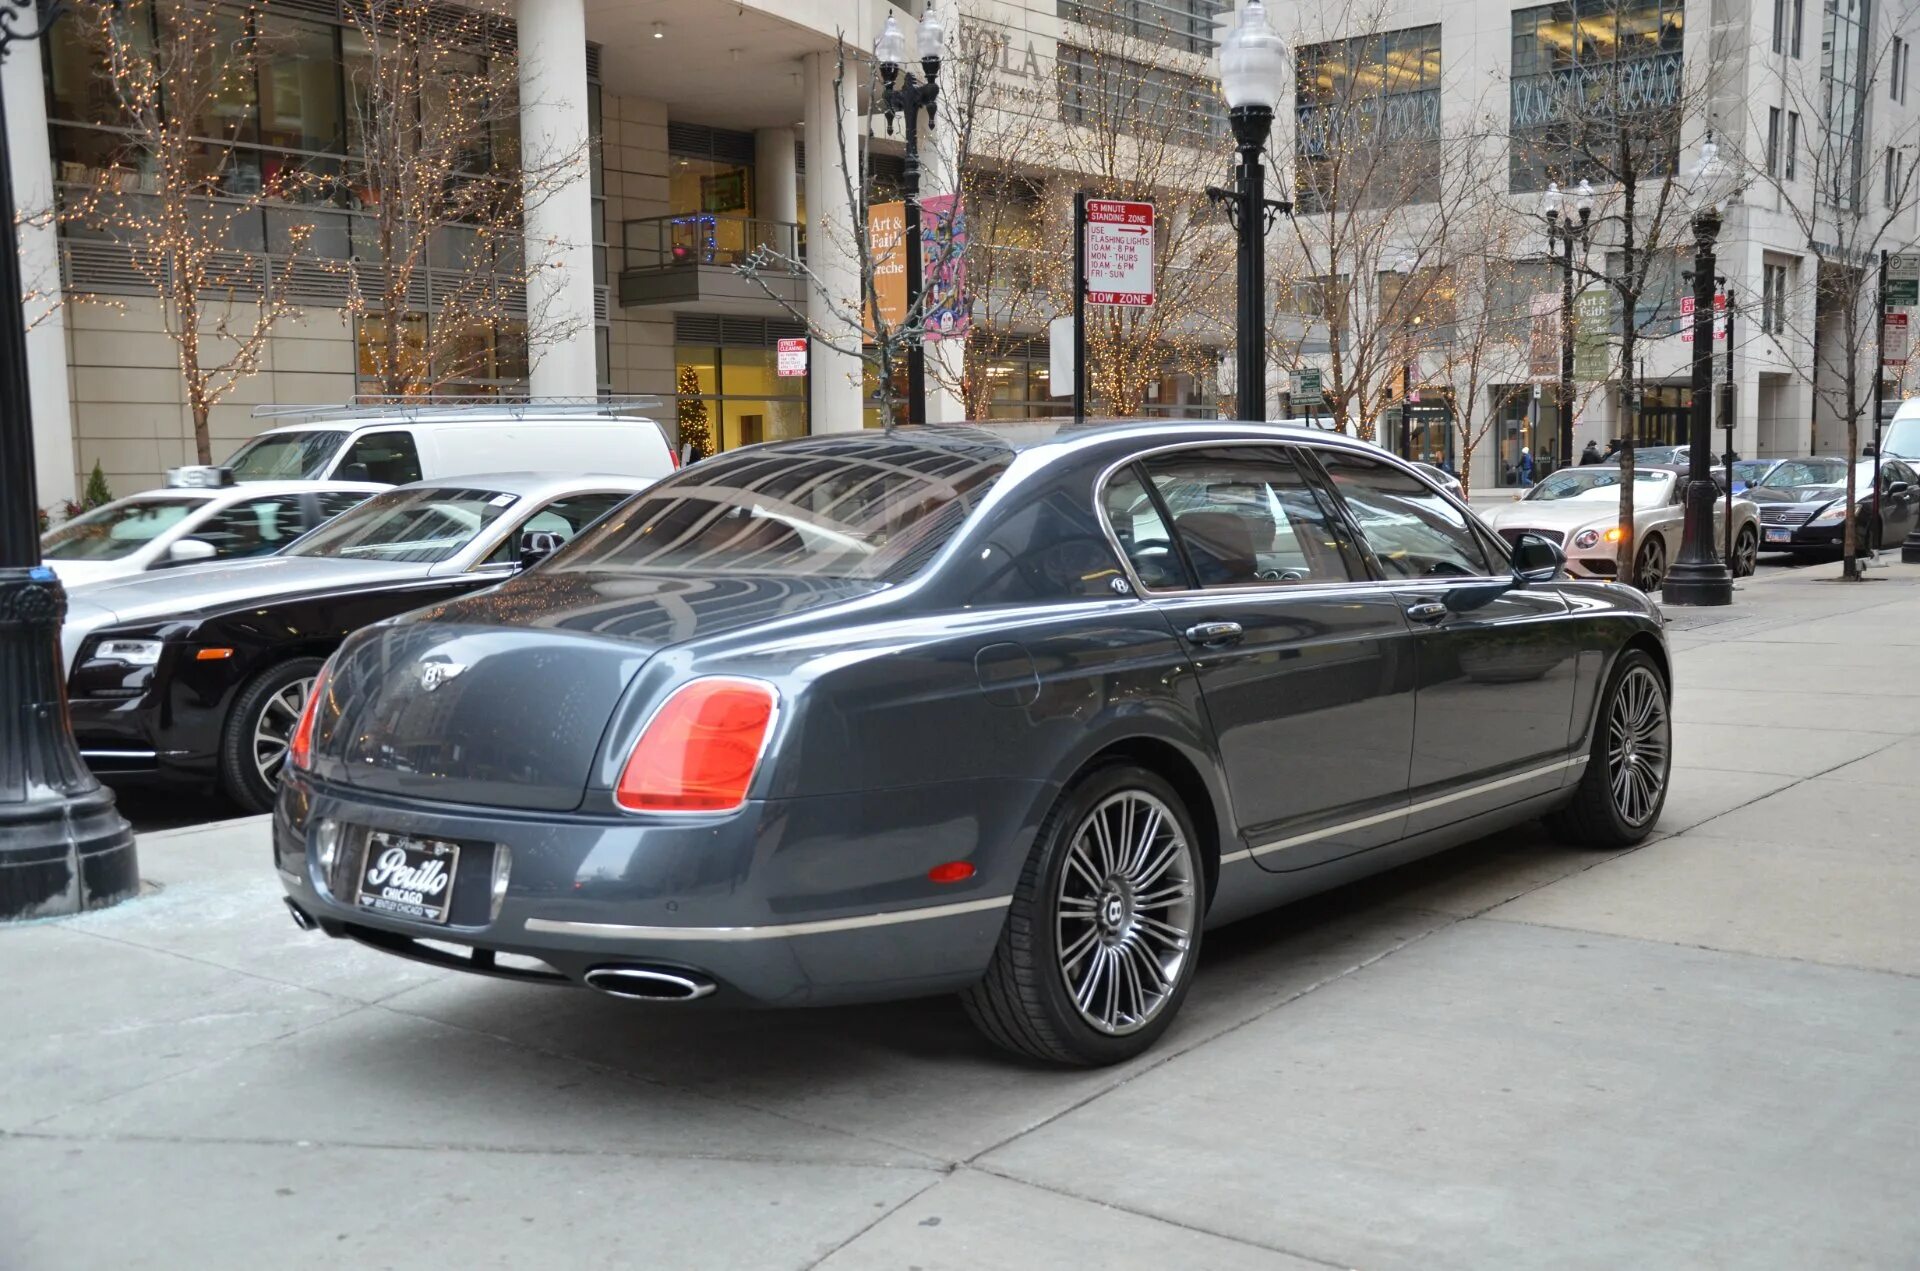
x=725, y=376
x=1893, y=180
x=1588, y=75
x=1187, y=25
x=1313, y=314
x=1897, y=71
x=1773, y=299
x=1117, y=95
x=1657, y=311
x=1799, y=16
x=1419, y=300
x=1843, y=77
x=1780, y=11
x=1367, y=120
x=1773, y=141
x=1791, y=167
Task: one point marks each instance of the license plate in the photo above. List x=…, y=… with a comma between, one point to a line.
x=408, y=877
x=1779, y=535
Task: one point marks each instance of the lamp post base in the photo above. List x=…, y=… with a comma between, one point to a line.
x=1697, y=583
x=63, y=848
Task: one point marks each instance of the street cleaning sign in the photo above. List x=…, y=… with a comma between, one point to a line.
x=1119, y=252
x=1902, y=289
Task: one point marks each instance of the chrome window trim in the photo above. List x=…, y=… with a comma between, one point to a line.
x=1141, y=592
x=771, y=931
x=1377, y=818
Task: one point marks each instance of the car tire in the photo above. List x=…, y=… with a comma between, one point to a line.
x=1632, y=730
x=1101, y=1004
x=1746, y=552
x=261, y=711
x=1650, y=564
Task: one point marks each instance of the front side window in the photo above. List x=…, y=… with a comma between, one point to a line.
x=563, y=517
x=286, y=456
x=1250, y=520
x=117, y=530
x=1412, y=529
x=388, y=457
x=257, y=527
x=421, y=526
x=873, y=508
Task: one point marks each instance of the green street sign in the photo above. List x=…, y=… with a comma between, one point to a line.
x=1306, y=388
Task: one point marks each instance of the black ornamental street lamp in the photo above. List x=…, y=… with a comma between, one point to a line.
x=63, y=848
x=1563, y=231
x=902, y=94
x=1253, y=72
x=1699, y=576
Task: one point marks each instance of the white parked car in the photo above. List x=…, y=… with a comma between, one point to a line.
x=193, y=519
x=1579, y=508
x=396, y=445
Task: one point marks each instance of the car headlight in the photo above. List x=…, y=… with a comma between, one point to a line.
x=1832, y=514
x=132, y=652
x=1586, y=538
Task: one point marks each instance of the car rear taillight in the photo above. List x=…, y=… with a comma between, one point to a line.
x=300, y=748
x=700, y=750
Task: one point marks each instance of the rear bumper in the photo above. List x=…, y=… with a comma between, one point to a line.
x=787, y=903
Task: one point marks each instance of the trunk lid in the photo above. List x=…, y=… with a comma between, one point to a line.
x=502, y=698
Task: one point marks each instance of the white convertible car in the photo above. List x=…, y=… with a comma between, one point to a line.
x=1579, y=508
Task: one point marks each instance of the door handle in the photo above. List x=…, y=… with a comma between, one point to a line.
x=1427, y=611
x=1215, y=633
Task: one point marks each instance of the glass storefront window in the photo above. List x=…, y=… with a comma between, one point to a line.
x=709, y=186
x=737, y=393
x=299, y=86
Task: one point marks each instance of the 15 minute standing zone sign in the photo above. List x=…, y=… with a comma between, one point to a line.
x=1119, y=252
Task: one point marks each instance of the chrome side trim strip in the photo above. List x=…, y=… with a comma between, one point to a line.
x=119, y=754
x=1361, y=823
x=777, y=931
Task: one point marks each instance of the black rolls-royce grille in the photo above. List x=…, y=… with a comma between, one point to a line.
x=1552, y=536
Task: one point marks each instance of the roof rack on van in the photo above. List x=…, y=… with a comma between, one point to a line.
x=376, y=404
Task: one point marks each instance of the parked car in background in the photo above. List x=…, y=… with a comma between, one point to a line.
x=1748, y=473
x=397, y=445
x=199, y=516
x=1579, y=508
x=197, y=676
x=1803, y=505
x=1901, y=436
x=1442, y=478
x=971, y=709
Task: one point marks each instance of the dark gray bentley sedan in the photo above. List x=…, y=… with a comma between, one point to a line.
x=1016, y=712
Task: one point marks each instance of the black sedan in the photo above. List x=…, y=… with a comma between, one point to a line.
x=1011, y=712
x=198, y=674
x=1803, y=505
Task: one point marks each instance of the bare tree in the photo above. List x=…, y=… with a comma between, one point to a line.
x=1611, y=109
x=175, y=194
x=1136, y=121
x=1486, y=357
x=1851, y=194
x=441, y=275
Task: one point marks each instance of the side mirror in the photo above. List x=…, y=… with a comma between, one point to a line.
x=1899, y=487
x=536, y=546
x=354, y=472
x=1537, y=559
x=188, y=551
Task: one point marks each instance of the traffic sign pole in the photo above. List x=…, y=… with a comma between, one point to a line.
x=1080, y=307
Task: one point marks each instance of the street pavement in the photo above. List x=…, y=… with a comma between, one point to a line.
x=1701, y=1053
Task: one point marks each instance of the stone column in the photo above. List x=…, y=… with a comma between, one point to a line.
x=775, y=175
x=833, y=297
x=559, y=215
x=32, y=170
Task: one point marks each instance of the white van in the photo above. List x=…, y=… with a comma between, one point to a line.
x=395, y=445
x=1900, y=439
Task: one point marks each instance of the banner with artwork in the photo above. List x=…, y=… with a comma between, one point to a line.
x=943, y=256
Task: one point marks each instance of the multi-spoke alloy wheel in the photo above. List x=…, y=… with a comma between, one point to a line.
x=273, y=727
x=253, y=751
x=1637, y=745
x=1652, y=569
x=1125, y=912
x=1746, y=553
x=1624, y=785
x=1099, y=944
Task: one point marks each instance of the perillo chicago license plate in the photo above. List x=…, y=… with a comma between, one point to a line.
x=408, y=877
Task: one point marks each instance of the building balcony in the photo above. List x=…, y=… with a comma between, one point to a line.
x=690, y=261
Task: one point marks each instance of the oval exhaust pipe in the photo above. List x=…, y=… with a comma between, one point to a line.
x=648, y=984
x=301, y=918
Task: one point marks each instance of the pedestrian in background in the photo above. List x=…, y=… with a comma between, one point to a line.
x=1591, y=454
x=1526, y=466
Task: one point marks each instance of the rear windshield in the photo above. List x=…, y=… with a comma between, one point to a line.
x=286, y=456
x=423, y=526
x=841, y=508
x=116, y=530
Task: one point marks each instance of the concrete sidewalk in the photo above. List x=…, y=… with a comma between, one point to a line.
x=1701, y=1053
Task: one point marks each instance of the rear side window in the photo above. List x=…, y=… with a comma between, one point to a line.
x=257, y=527
x=1412, y=530
x=562, y=517
x=845, y=507
x=1142, y=532
x=1250, y=519
x=388, y=456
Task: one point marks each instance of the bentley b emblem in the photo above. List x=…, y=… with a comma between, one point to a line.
x=434, y=674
